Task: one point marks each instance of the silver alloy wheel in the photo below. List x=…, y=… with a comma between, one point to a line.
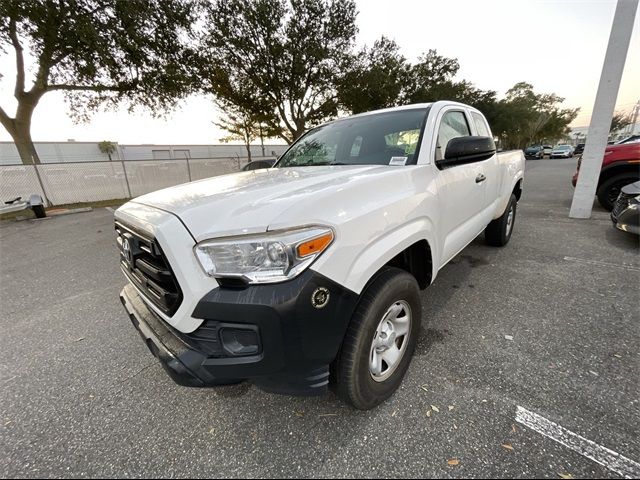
x=510, y=220
x=390, y=341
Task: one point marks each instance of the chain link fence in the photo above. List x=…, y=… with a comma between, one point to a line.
x=68, y=183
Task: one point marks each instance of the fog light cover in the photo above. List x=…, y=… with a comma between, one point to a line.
x=240, y=342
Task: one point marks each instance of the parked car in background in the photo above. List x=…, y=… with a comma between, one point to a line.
x=546, y=150
x=626, y=211
x=259, y=164
x=620, y=167
x=535, y=151
x=579, y=149
x=562, y=151
x=630, y=139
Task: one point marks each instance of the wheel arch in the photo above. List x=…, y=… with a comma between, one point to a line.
x=517, y=189
x=618, y=168
x=417, y=260
x=410, y=247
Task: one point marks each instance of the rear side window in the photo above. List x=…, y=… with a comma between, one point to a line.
x=453, y=125
x=481, y=125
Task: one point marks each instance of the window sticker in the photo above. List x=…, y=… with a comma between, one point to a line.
x=398, y=161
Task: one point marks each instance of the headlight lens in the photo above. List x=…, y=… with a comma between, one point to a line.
x=265, y=258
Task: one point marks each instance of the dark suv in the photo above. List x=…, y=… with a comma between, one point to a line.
x=259, y=164
x=536, y=151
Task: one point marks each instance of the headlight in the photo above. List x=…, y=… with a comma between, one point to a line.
x=265, y=258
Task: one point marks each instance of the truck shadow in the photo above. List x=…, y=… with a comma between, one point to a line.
x=451, y=280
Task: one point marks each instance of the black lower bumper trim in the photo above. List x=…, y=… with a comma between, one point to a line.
x=298, y=341
x=152, y=331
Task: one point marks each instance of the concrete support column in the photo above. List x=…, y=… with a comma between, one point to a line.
x=606, y=97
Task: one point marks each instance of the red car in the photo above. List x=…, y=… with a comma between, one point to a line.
x=620, y=167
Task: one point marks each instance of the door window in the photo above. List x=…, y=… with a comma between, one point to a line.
x=453, y=125
x=481, y=125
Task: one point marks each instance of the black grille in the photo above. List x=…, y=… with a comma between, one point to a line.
x=143, y=262
x=621, y=204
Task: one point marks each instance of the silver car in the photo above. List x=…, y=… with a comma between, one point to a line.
x=562, y=151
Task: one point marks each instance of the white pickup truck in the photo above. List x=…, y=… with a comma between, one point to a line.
x=308, y=275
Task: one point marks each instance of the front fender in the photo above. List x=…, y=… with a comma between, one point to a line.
x=355, y=272
x=383, y=249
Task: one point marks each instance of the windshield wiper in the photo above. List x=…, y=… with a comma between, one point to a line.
x=322, y=164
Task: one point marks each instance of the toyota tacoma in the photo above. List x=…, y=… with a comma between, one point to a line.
x=307, y=276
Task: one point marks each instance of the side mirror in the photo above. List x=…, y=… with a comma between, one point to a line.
x=467, y=150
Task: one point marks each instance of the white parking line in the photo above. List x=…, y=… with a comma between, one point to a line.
x=109, y=208
x=599, y=454
x=603, y=264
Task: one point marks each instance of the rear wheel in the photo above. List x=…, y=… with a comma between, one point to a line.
x=610, y=189
x=498, y=232
x=380, y=340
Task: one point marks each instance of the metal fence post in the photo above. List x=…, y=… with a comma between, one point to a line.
x=126, y=179
x=188, y=169
x=44, y=192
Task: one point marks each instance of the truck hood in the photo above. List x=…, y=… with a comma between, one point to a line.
x=270, y=199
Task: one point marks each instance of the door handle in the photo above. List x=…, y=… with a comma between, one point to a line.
x=480, y=178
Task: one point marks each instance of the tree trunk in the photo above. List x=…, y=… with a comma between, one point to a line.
x=20, y=127
x=262, y=141
x=21, y=135
x=248, y=145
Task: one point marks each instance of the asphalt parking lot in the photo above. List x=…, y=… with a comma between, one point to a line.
x=550, y=324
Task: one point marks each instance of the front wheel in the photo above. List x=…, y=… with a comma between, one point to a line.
x=498, y=232
x=610, y=189
x=380, y=340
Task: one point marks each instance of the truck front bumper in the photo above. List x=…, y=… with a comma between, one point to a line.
x=277, y=336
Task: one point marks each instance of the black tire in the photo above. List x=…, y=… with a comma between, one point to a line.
x=610, y=189
x=39, y=211
x=351, y=376
x=498, y=232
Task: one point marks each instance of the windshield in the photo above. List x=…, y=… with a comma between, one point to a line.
x=631, y=139
x=563, y=147
x=378, y=139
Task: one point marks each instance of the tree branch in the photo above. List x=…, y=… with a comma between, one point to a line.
x=90, y=88
x=5, y=119
x=13, y=34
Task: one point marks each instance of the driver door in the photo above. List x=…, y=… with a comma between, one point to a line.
x=461, y=189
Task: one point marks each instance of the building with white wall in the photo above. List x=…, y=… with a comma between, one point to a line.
x=579, y=134
x=71, y=151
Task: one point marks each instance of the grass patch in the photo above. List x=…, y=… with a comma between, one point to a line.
x=28, y=213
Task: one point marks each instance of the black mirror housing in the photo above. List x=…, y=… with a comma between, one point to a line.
x=468, y=149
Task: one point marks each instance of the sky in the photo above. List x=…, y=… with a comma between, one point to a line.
x=558, y=46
